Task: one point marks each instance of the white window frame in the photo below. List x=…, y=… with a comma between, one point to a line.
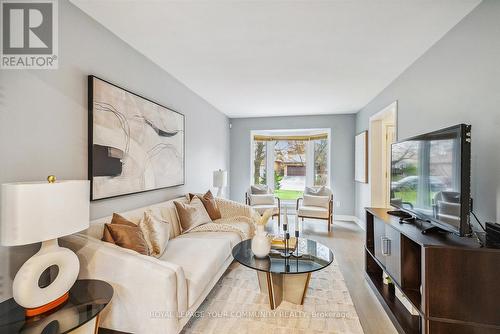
x=309, y=157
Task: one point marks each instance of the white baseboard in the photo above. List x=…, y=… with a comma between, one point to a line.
x=349, y=219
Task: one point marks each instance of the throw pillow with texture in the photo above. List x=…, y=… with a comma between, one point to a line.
x=156, y=232
x=191, y=214
x=262, y=199
x=126, y=234
x=209, y=203
x=317, y=191
x=322, y=201
x=259, y=189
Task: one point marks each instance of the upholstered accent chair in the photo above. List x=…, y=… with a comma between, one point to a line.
x=260, y=198
x=316, y=203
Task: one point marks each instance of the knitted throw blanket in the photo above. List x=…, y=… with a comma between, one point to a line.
x=232, y=224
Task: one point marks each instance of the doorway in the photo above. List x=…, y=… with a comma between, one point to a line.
x=383, y=133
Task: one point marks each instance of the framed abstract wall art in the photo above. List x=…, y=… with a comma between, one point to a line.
x=135, y=144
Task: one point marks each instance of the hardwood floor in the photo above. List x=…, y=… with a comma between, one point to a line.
x=347, y=241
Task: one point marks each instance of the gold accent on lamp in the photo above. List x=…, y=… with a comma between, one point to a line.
x=51, y=179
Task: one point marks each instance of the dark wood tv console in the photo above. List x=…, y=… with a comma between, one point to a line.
x=452, y=283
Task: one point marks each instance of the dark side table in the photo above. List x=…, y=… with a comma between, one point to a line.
x=80, y=313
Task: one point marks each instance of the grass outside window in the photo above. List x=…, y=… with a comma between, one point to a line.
x=288, y=194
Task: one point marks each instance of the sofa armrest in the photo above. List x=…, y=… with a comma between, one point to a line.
x=149, y=294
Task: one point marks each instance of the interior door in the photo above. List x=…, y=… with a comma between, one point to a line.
x=390, y=137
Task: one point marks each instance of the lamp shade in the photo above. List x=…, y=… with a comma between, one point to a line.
x=38, y=211
x=220, y=178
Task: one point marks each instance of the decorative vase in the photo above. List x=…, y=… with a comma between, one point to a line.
x=261, y=245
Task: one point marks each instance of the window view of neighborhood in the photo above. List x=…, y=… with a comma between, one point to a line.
x=289, y=168
x=298, y=161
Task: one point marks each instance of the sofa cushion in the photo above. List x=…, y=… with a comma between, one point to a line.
x=200, y=258
x=313, y=211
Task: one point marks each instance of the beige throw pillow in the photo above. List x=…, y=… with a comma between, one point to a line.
x=317, y=191
x=210, y=204
x=156, y=232
x=262, y=199
x=322, y=201
x=192, y=214
x=259, y=189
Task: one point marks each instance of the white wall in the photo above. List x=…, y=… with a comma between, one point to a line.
x=43, y=119
x=341, y=158
x=456, y=81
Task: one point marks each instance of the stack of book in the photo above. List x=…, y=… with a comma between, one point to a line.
x=278, y=243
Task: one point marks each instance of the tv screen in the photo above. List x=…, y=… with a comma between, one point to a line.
x=430, y=177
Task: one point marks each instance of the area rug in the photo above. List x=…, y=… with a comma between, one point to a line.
x=235, y=305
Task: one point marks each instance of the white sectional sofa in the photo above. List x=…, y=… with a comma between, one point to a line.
x=159, y=295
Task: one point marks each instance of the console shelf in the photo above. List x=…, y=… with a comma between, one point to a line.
x=449, y=283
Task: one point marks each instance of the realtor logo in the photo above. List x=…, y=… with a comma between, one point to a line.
x=29, y=34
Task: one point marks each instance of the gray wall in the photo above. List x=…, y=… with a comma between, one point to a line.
x=456, y=81
x=342, y=152
x=43, y=118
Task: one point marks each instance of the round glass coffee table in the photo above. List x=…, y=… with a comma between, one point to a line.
x=285, y=278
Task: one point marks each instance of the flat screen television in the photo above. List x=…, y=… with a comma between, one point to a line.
x=430, y=177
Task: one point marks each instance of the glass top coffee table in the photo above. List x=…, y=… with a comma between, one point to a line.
x=285, y=278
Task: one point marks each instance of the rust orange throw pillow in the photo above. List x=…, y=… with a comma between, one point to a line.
x=126, y=234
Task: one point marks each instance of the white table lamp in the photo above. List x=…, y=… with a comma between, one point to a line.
x=42, y=212
x=220, y=181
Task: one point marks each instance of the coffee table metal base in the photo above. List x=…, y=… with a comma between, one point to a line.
x=279, y=287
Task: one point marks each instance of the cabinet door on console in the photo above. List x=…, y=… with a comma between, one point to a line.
x=393, y=259
x=378, y=236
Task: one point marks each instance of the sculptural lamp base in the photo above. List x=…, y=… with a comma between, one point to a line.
x=28, y=289
x=31, y=312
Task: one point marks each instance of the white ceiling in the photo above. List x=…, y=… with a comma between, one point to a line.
x=268, y=58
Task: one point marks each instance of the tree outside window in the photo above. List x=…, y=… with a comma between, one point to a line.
x=321, y=162
x=259, y=163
